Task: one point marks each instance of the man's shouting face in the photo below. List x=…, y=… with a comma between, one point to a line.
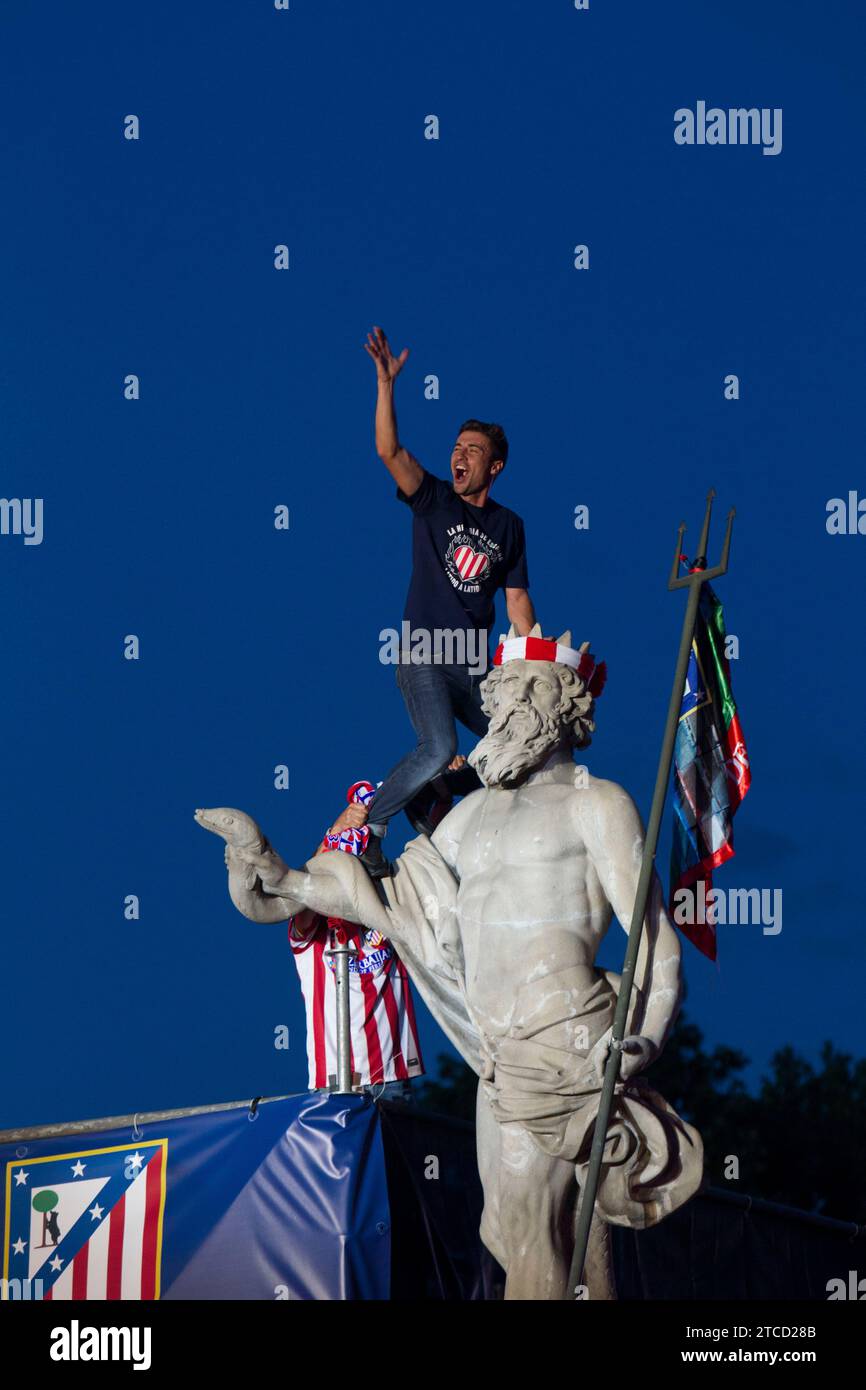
x=473, y=466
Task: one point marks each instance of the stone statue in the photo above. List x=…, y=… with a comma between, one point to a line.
x=499, y=917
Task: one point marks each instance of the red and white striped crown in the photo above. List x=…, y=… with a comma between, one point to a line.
x=538, y=648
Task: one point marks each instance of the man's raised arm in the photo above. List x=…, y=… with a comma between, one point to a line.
x=403, y=466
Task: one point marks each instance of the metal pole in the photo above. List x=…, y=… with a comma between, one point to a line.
x=143, y=1117
x=693, y=581
x=341, y=953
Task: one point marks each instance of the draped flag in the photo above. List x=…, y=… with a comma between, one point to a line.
x=710, y=776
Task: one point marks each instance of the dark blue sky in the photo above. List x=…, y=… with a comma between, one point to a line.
x=260, y=647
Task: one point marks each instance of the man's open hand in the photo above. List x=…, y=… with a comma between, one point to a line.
x=387, y=365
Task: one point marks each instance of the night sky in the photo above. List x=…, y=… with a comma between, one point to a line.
x=260, y=647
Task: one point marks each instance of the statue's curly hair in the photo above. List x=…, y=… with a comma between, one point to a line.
x=576, y=705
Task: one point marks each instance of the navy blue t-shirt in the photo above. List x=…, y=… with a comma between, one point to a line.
x=461, y=555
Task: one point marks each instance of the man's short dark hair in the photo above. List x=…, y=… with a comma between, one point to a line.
x=495, y=433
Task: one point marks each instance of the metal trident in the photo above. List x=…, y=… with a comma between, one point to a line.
x=693, y=581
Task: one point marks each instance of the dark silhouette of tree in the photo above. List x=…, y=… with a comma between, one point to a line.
x=452, y=1090
x=813, y=1133
x=800, y=1139
x=706, y=1088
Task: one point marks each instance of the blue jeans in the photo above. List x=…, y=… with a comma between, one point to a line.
x=435, y=696
x=391, y=1090
x=379, y=1090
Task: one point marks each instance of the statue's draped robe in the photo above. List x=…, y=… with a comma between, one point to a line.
x=534, y=1075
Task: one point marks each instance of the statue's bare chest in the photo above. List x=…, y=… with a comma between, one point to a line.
x=530, y=825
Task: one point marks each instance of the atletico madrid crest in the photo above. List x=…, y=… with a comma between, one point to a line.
x=86, y=1225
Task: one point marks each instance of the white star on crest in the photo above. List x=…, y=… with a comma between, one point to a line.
x=21, y=1177
x=96, y=1211
x=19, y=1245
x=136, y=1160
x=56, y=1263
x=78, y=1168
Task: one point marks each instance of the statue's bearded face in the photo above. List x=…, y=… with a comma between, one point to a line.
x=526, y=724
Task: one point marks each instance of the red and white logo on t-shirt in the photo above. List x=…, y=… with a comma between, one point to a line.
x=470, y=558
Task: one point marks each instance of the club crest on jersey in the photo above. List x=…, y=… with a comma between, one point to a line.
x=86, y=1225
x=374, y=955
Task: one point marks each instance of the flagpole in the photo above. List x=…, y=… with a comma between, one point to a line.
x=694, y=581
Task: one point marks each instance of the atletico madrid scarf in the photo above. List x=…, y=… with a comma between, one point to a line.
x=350, y=840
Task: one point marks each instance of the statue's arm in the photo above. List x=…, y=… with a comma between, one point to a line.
x=614, y=835
x=297, y=889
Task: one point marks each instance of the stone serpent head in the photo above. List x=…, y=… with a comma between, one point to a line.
x=235, y=827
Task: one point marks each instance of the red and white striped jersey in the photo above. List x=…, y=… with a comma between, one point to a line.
x=383, y=1032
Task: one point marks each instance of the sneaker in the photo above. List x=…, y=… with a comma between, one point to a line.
x=373, y=859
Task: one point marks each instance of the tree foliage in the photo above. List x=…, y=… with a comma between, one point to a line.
x=799, y=1138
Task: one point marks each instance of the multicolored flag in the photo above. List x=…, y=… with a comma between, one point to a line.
x=711, y=773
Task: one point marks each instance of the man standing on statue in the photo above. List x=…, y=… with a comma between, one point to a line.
x=465, y=547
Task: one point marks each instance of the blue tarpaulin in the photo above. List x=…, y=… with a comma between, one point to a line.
x=331, y=1197
x=291, y=1203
